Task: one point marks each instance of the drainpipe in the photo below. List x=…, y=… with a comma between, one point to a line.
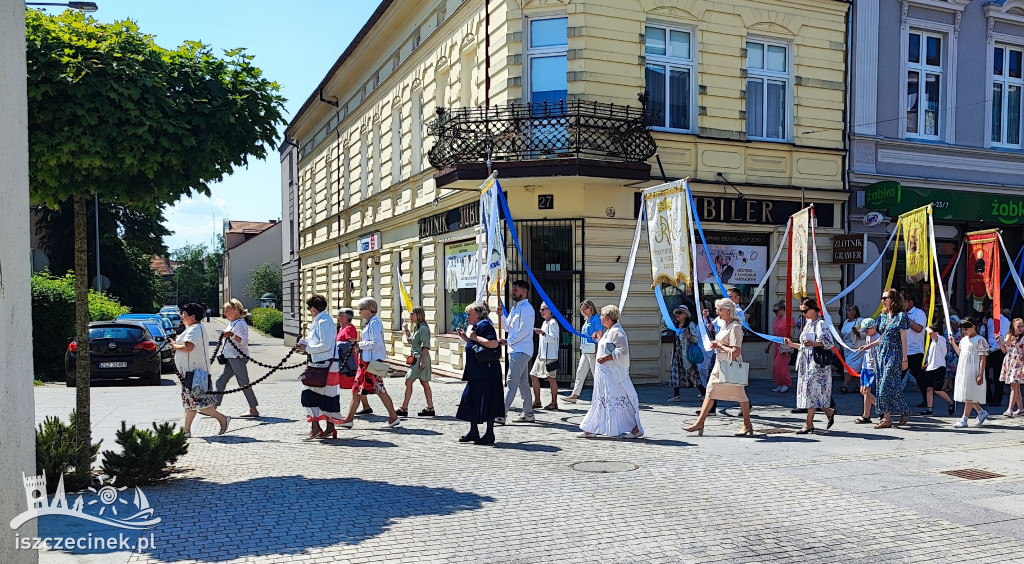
x=487, y=53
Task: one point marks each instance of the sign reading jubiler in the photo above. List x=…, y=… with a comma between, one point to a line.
x=670, y=242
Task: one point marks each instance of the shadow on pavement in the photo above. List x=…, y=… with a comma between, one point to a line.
x=271, y=515
x=352, y=442
x=528, y=447
x=233, y=439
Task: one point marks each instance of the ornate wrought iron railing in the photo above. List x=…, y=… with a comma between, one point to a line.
x=560, y=129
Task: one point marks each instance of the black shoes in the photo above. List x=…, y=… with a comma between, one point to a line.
x=467, y=438
x=366, y=411
x=401, y=412
x=427, y=412
x=951, y=407
x=798, y=410
x=485, y=440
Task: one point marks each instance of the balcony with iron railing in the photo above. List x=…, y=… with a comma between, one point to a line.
x=560, y=138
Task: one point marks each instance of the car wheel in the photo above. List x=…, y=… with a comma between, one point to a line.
x=153, y=379
x=69, y=381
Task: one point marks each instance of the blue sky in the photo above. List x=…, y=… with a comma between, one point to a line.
x=295, y=43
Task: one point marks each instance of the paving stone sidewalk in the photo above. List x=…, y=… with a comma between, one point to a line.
x=413, y=494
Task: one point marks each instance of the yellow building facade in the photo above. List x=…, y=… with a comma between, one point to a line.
x=745, y=98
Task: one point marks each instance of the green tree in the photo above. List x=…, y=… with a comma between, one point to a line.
x=197, y=274
x=113, y=114
x=263, y=279
x=128, y=241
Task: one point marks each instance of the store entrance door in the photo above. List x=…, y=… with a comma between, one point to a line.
x=554, y=252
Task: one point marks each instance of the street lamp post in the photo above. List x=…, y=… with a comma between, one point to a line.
x=80, y=6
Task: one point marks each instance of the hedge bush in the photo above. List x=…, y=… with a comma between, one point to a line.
x=53, y=319
x=146, y=456
x=57, y=451
x=268, y=320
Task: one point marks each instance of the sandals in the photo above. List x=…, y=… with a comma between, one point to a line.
x=551, y=407
x=843, y=390
x=862, y=420
x=883, y=425
x=537, y=405
x=903, y=420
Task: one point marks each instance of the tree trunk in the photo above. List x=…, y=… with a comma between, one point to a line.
x=82, y=400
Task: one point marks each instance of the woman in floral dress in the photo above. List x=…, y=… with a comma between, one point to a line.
x=1013, y=366
x=892, y=325
x=684, y=374
x=814, y=381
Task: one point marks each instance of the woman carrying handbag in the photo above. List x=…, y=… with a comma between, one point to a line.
x=813, y=366
x=729, y=376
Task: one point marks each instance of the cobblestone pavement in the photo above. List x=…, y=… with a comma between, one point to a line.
x=413, y=494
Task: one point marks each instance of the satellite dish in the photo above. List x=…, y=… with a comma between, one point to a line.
x=101, y=283
x=40, y=261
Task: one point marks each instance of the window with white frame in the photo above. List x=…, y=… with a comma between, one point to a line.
x=1007, y=82
x=546, y=59
x=669, y=76
x=767, y=90
x=924, y=83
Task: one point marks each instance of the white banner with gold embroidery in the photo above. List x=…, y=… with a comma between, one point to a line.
x=798, y=252
x=666, y=210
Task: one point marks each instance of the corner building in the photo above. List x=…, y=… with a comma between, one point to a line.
x=569, y=101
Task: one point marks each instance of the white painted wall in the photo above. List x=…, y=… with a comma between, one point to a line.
x=265, y=247
x=17, y=405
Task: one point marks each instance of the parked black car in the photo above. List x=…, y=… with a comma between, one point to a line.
x=117, y=349
x=161, y=329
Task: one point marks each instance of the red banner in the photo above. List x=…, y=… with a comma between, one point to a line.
x=983, y=268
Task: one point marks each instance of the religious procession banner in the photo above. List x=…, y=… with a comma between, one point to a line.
x=666, y=212
x=983, y=279
x=798, y=253
x=915, y=241
x=496, y=271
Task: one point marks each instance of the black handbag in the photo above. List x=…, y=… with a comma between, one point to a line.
x=551, y=366
x=484, y=355
x=186, y=382
x=221, y=359
x=822, y=356
x=315, y=376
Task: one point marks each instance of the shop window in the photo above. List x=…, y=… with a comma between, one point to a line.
x=741, y=260
x=460, y=270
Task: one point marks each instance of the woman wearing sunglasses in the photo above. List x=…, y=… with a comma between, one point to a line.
x=892, y=327
x=814, y=373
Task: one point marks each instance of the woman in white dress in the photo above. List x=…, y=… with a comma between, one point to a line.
x=969, y=386
x=614, y=407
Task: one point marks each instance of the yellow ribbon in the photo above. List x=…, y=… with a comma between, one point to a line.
x=931, y=305
x=892, y=267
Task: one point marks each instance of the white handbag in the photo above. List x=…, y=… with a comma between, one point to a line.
x=377, y=368
x=733, y=372
x=586, y=347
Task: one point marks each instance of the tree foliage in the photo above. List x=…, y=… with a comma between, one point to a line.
x=53, y=320
x=114, y=114
x=265, y=278
x=197, y=274
x=128, y=241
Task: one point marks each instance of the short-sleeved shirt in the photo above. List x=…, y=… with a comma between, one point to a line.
x=936, y=353
x=593, y=325
x=197, y=359
x=915, y=340
x=240, y=329
x=993, y=339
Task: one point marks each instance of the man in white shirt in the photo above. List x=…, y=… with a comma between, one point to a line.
x=915, y=343
x=520, y=324
x=994, y=362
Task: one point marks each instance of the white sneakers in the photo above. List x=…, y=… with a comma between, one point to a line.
x=675, y=399
x=961, y=423
x=1009, y=413
x=783, y=389
x=982, y=416
x=523, y=419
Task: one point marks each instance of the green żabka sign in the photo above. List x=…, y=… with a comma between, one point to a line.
x=961, y=206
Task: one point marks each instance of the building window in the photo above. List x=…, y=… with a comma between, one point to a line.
x=924, y=83
x=767, y=90
x=1007, y=81
x=669, y=75
x=460, y=268
x=547, y=60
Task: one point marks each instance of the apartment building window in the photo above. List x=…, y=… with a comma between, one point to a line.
x=669, y=75
x=924, y=84
x=546, y=58
x=767, y=90
x=1007, y=82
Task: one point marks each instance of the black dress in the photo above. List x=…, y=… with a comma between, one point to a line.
x=482, y=399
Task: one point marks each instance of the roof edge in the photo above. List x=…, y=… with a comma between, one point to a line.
x=367, y=27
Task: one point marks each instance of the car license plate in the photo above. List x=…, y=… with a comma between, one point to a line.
x=113, y=365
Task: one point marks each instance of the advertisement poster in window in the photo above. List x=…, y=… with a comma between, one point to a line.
x=741, y=260
x=461, y=264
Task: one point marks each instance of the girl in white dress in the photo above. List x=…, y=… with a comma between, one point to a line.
x=969, y=386
x=614, y=407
